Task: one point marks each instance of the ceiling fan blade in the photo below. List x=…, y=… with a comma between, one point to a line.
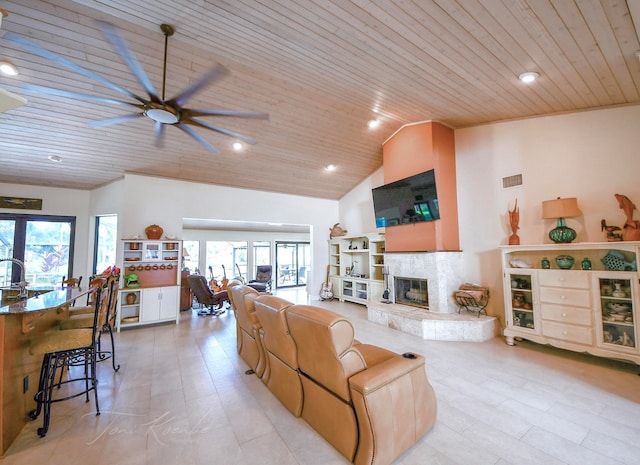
x=68, y=64
x=221, y=130
x=197, y=137
x=239, y=114
x=113, y=36
x=159, y=131
x=116, y=120
x=215, y=73
x=66, y=93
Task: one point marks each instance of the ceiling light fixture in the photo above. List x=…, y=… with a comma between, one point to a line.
x=529, y=76
x=8, y=68
x=374, y=123
x=237, y=146
x=55, y=158
x=330, y=167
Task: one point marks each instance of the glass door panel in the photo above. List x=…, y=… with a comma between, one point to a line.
x=521, y=301
x=616, y=305
x=7, y=234
x=293, y=260
x=46, y=252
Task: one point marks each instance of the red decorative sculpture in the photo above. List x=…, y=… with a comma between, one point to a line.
x=514, y=220
x=631, y=228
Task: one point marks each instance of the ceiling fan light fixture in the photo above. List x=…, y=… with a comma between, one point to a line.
x=162, y=115
x=7, y=68
x=529, y=77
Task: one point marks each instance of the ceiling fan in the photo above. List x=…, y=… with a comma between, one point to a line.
x=156, y=107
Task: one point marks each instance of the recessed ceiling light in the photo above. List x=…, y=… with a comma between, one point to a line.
x=330, y=167
x=55, y=158
x=529, y=76
x=374, y=123
x=237, y=146
x=8, y=68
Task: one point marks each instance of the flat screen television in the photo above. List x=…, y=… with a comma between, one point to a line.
x=410, y=200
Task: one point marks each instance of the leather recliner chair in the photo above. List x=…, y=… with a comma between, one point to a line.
x=371, y=404
x=249, y=344
x=280, y=374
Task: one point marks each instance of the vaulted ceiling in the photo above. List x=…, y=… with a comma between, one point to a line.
x=321, y=70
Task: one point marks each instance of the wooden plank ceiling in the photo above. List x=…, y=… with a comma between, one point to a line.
x=321, y=69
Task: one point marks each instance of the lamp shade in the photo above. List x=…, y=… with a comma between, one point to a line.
x=560, y=208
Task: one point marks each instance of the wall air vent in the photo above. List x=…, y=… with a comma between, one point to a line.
x=512, y=181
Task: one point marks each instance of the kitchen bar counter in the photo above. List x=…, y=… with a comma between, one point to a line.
x=20, y=323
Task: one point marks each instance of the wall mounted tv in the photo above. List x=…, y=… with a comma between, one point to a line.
x=407, y=201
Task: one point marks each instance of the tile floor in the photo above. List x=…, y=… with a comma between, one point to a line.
x=182, y=398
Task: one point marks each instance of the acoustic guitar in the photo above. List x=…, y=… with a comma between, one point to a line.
x=326, y=293
x=213, y=284
x=240, y=277
x=225, y=281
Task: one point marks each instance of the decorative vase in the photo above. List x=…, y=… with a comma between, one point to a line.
x=565, y=262
x=545, y=263
x=630, y=234
x=586, y=263
x=131, y=298
x=153, y=232
x=618, y=292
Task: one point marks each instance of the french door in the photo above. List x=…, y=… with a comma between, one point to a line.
x=293, y=263
x=43, y=243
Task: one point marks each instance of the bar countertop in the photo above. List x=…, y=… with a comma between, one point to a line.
x=44, y=301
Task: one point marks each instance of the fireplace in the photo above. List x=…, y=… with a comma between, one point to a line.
x=439, y=274
x=411, y=291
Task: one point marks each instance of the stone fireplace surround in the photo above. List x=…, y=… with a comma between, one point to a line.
x=443, y=271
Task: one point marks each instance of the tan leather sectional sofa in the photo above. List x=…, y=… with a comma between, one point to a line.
x=369, y=403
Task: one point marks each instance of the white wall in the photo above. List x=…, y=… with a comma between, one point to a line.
x=590, y=155
x=63, y=202
x=356, y=207
x=148, y=200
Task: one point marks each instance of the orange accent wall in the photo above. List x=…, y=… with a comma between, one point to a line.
x=414, y=149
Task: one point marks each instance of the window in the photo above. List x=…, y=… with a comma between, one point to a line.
x=225, y=258
x=261, y=253
x=44, y=243
x=190, y=256
x=104, y=252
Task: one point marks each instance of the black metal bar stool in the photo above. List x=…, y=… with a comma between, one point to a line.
x=61, y=349
x=79, y=319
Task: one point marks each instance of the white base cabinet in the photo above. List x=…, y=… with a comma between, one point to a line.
x=159, y=304
x=591, y=307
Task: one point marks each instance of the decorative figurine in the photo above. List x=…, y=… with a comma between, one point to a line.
x=514, y=219
x=336, y=231
x=631, y=227
x=614, y=233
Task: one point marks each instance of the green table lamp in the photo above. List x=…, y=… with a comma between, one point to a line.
x=560, y=209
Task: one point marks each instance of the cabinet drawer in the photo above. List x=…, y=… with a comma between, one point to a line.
x=564, y=278
x=566, y=314
x=578, y=334
x=562, y=296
